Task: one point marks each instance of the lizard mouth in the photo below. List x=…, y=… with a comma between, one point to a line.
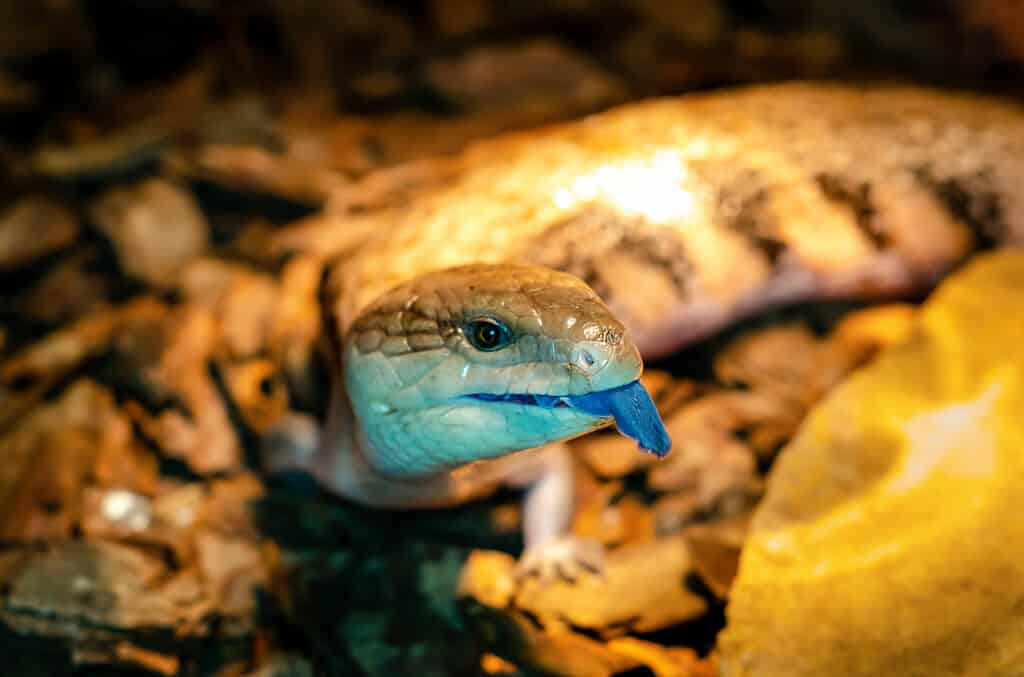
x=544, y=401
x=634, y=413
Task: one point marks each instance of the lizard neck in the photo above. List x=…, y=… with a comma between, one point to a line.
x=341, y=464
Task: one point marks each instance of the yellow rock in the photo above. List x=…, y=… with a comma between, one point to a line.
x=891, y=538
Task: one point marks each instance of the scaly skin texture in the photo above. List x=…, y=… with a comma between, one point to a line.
x=683, y=214
x=407, y=366
x=687, y=213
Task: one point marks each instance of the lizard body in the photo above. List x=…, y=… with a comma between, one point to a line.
x=683, y=214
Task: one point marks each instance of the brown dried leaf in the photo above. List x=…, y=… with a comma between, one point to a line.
x=162, y=352
x=561, y=653
x=62, y=351
x=205, y=438
x=706, y=458
x=179, y=505
x=34, y=226
x=642, y=590
x=128, y=517
x=126, y=464
x=610, y=455
x=716, y=551
x=243, y=300
x=455, y=18
x=673, y=512
x=231, y=569
x=50, y=456
x=600, y=518
x=295, y=327
x=591, y=506
x=88, y=590
x=538, y=72
x=254, y=168
x=246, y=316
x=146, y=659
x=863, y=333
x=67, y=291
x=493, y=664
x=488, y=576
x=698, y=22
x=156, y=228
x=228, y=508
x=782, y=360
x=663, y=661
x=45, y=502
x=1003, y=18
x=261, y=396
x=139, y=141
x=15, y=404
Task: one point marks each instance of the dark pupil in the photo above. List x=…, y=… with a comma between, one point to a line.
x=487, y=335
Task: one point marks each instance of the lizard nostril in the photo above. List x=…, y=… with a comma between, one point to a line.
x=586, y=361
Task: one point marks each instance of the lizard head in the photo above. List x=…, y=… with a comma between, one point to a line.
x=480, y=361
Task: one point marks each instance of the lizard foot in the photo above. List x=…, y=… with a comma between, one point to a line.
x=566, y=558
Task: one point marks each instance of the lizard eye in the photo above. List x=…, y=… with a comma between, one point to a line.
x=488, y=335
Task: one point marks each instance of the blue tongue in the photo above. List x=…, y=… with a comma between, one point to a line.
x=634, y=413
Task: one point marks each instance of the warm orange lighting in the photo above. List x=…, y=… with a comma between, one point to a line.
x=654, y=188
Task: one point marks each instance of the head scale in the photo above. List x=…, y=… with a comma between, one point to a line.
x=473, y=363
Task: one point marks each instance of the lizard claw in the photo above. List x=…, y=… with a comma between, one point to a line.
x=566, y=558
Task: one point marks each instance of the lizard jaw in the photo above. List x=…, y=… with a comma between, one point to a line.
x=629, y=405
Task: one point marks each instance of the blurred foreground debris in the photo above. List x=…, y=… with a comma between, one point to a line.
x=861, y=536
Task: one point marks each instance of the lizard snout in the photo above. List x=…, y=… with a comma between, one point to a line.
x=604, y=364
x=590, y=357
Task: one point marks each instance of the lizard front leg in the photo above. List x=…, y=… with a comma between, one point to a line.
x=551, y=551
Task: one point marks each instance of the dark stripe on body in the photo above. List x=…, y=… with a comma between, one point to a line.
x=857, y=196
x=971, y=199
x=744, y=206
x=575, y=244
